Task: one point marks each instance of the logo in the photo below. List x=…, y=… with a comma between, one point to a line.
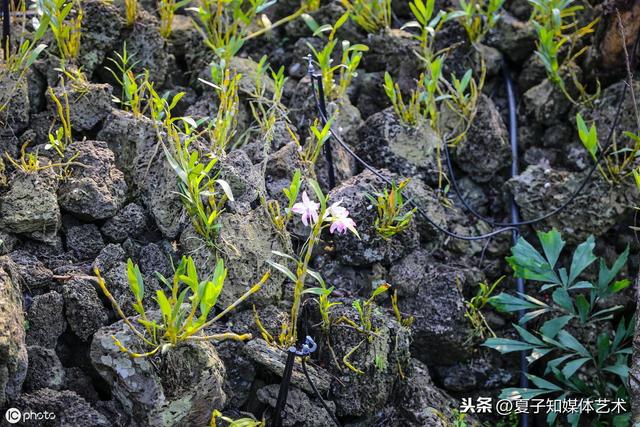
x=13, y=415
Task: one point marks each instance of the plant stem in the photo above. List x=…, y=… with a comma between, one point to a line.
x=276, y=24
x=292, y=328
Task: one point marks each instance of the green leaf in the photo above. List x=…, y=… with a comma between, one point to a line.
x=583, y=307
x=317, y=277
x=552, y=327
x=581, y=285
x=561, y=297
x=528, y=336
x=569, y=341
x=619, y=285
x=509, y=303
x=532, y=315
x=311, y=23
x=552, y=245
x=604, y=346
x=317, y=291
x=522, y=393
x=583, y=257
x=588, y=137
x=163, y=303
x=554, y=363
x=528, y=263
x=571, y=367
x=619, y=369
x=282, y=254
x=543, y=384
x=505, y=345
x=606, y=311
x=226, y=188
x=321, y=198
x=380, y=289
x=214, y=288
x=136, y=282
x=283, y=270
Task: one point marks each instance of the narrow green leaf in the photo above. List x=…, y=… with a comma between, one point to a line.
x=571, y=367
x=283, y=270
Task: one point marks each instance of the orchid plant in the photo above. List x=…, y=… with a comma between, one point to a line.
x=317, y=216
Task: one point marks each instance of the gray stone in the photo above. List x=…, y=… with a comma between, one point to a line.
x=7, y=242
x=33, y=272
x=300, y=410
x=514, y=38
x=97, y=189
x=14, y=95
x=182, y=390
x=598, y=207
x=83, y=309
x=154, y=260
x=410, y=151
x=149, y=174
x=89, y=103
x=78, y=381
x=604, y=111
x=421, y=403
x=394, y=51
x=381, y=357
x=246, y=242
x=45, y=369
x=273, y=360
x=370, y=247
x=101, y=26
x=244, y=179
x=69, y=409
x=280, y=169
x=46, y=320
x=130, y=221
x=85, y=241
x=146, y=45
x=484, y=151
x=533, y=73
x=30, y=206
x=546, y=103
x=113, y=267
x=13, y=351
x=440, y=326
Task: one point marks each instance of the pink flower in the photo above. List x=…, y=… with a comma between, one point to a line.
x=308, y=209
x=339, y=218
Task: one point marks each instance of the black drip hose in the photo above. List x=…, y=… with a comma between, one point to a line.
x=328, y=154
x=6, y=28
x=284, y=388
x=318, y=395
x=515, y=217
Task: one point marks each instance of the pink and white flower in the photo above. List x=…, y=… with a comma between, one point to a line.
x=308, y=209
x=339, y=218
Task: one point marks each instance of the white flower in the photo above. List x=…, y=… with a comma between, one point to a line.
x=308, y=209
x=339, y=218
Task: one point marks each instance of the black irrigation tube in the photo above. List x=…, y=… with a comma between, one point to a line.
x=308, y=347
x=515, y=215
x=6, y=28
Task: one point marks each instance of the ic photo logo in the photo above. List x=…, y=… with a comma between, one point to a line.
x=13, y=415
